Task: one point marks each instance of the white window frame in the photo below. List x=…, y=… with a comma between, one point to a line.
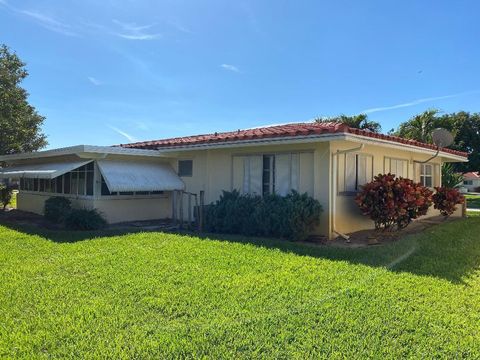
x=390, y=159
x=346, y=190
x=423, y=175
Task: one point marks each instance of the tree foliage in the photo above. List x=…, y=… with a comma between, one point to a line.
x=464, y=126
x=360, y=121
x=20, y=123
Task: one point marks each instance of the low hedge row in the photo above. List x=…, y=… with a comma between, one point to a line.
x=290, y=217
x=58, y=209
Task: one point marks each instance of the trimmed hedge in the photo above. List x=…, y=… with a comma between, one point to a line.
x=290, y=217
x=57, y=208
x=83, y=219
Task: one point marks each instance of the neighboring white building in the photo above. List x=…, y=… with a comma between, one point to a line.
x=471, y=181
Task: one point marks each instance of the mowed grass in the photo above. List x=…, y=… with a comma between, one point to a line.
x=473, y=201
x=156, y=295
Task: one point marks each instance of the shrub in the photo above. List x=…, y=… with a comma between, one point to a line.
x=393, y=202
x=83, y=219
x=292, y=217
x=450, y=178
x=446, y=199
x=5, y=195
x=57, y=208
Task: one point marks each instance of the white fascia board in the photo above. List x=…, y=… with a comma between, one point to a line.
x=255, y=142
x=312, y=139
x=83, y=151
x=396, y=145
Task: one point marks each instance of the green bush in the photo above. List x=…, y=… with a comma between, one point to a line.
x=291, y=217
x=83, y=219
x=5, y=195
x=57, y=208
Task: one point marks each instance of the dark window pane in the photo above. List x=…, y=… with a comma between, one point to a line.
x=89, y=166
x=41, y=186
x=22, y=183
x=59, y=187
x=35, y=184
x=126, y=192
x=185, y=167
x=141, y=193
x=90, y=183
x=105, y=189
x=81, y=183
x=66, y=183
x=157, y=192
x=74, y=183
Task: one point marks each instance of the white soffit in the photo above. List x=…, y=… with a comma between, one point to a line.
x=41, y=171
x=123, y=176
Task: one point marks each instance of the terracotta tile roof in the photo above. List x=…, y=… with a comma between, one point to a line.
x=278, y=131
x=471, y=175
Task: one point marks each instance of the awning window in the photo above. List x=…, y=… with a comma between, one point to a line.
x=123, y=176
x=41, y=171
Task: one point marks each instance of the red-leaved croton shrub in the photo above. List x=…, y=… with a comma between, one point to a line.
x=393, y=202
x=447, y=199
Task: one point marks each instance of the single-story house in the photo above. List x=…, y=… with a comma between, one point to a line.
x=471, y=181
x=146, y=180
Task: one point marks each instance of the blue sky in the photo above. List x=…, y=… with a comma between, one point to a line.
x=111, y=71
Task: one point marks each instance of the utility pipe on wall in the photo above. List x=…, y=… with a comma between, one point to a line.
x=334, y=186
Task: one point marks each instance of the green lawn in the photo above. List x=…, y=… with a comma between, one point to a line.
x=153, y=295
x=473, y=201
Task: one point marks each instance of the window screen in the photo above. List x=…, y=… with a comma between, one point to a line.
x=185, y=167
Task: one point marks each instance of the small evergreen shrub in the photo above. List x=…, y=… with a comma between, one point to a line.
x=446, y=200
x=5, y=195
x=57, y=208
x=84, y=219
x=393, y=202
x=291, y=217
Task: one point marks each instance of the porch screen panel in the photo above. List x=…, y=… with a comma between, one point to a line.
x=305, y=173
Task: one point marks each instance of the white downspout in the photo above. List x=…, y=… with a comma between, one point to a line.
x=334, y=186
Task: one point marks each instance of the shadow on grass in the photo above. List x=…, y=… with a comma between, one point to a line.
x=449, y=251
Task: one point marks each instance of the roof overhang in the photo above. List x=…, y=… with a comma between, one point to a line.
x=82, y=151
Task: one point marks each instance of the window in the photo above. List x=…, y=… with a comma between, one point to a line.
x=185, y=167
x=77, y=182
x=426, y=175
x=358, y=171
x=468, y=182
x=272, y=173
x=398, y=167
x=268, y=175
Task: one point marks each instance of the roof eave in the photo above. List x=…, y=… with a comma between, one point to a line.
x=83, y=151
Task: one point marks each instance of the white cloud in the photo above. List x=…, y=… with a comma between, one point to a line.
x=129, y=137
x=414, y=102
x=48, y=22
x=94, y=81
x=230, y=67
x=132, y=31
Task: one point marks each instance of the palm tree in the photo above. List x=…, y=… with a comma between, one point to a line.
x=419, y=127
x=355, y=121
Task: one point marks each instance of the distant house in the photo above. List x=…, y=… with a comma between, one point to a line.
x=471, y=181
x=152, y=179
